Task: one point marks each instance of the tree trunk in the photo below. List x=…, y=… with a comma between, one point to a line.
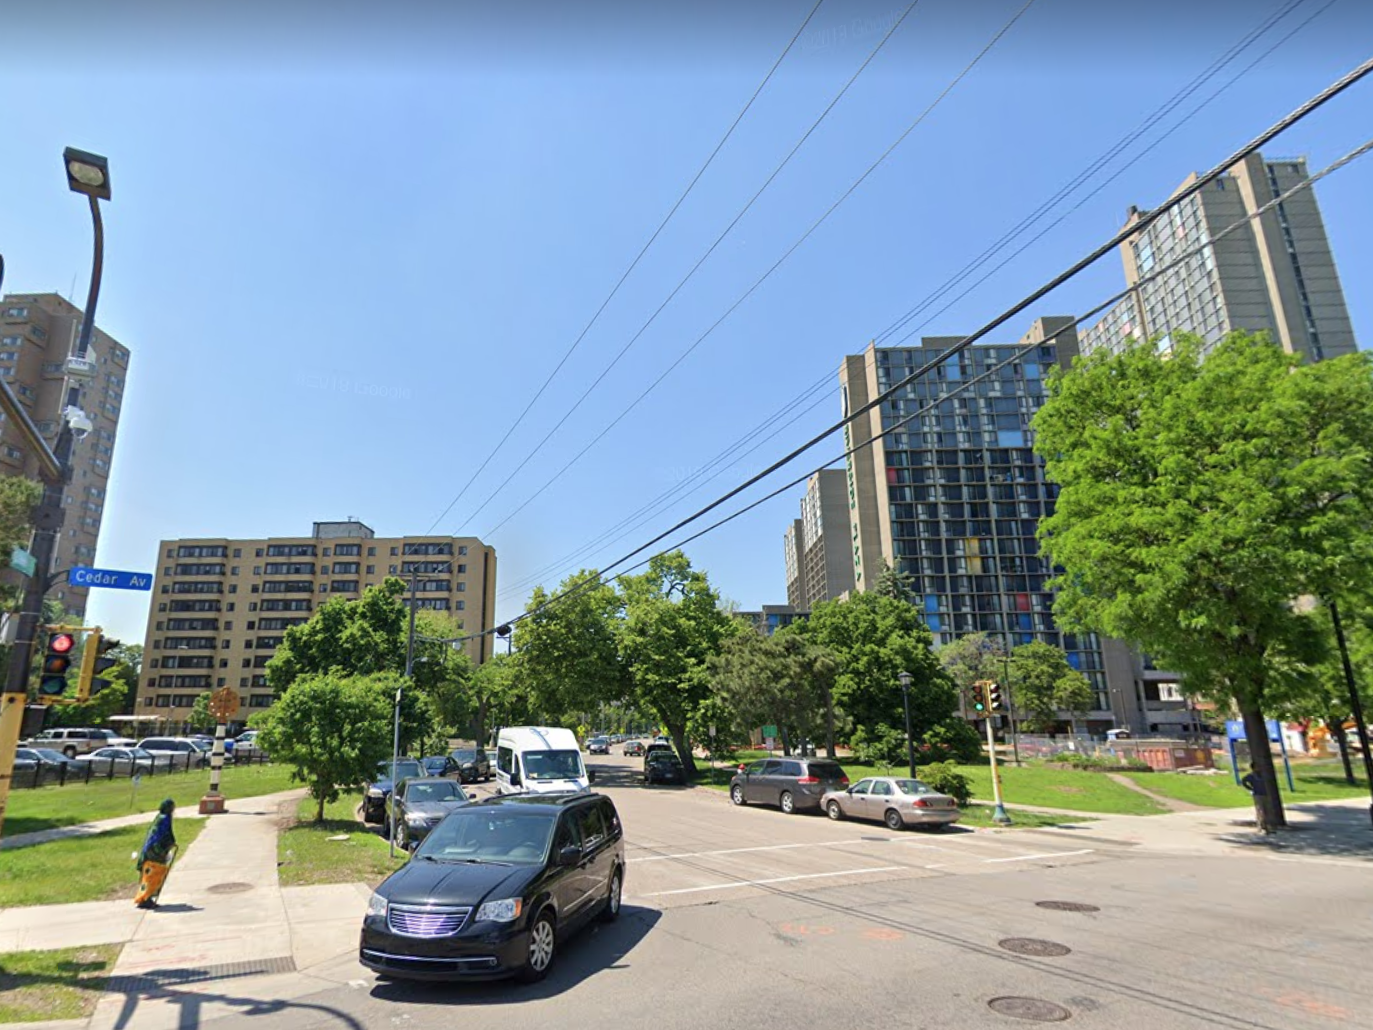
x=786, y=739
x=829, y=722
x=319, y=812
x=1261, y=757
x=480, y=740
x=683, y=746
x=1336, y=726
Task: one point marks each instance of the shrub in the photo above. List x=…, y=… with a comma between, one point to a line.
x=882, y=746
x=945, y=778
x=1097, y=763
x=951, y=741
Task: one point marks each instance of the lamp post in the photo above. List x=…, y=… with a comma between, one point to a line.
x=503, y=631
x=88, y=174
x=905, y=680
x=395, y=738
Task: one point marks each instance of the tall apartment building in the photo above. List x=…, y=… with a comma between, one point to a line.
x=954, y=498
x=220, y=607
x=1276, y=274
x=815, y=546
x=37, y=333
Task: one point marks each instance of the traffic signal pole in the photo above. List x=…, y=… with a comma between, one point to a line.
x=999, y=815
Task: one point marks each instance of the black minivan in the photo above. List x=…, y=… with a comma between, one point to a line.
x=792, y=784
x=496, y=888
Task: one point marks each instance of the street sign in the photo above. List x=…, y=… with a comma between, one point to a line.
x=22, y=561
x=770, y=731
x=224, y=704
x=1234, y=730
x=84, y=577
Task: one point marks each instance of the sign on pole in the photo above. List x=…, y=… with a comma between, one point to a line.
x=22, y=561
x=112, y=578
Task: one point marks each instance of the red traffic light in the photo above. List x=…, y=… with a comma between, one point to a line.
x=61, y=643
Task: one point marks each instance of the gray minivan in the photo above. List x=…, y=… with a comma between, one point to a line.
x=792, y=784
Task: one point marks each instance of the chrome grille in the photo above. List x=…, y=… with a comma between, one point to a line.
x=426, y=921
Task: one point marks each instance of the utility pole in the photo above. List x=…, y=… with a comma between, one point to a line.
x=87, y=174
x=409, y=681
x=1355, y=703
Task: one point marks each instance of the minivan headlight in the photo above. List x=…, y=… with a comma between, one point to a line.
x=376, y=905
x=507, y=910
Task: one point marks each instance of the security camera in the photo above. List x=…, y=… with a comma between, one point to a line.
x=79, y=423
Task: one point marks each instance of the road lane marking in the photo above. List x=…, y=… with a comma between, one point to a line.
x=764, y=847
x=1047, y=854
x=777, y=879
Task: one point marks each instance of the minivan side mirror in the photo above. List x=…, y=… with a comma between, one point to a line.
x=591, y=776
x=514, y=779
x=569, y=855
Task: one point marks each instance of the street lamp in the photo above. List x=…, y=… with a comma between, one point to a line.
x=503, y=631
x=905, y=680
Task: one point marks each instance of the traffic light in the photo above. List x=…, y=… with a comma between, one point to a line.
x=980, y=698
x=994, y=697
x=93, y=664
x=57, y=662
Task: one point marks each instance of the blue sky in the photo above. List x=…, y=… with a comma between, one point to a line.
x=347, y=242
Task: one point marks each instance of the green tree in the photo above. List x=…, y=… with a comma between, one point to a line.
x=1043, y=684
x=568, y=659
x=970, y=658
x=873, y=638
x=442, y=671
x=200, y=718
x=894, y=583
x=672, y=626
x=18, y=497
x=332, y=730
x=1198, y=499
x=352, y=638
x=492, y=690
x=782, y=680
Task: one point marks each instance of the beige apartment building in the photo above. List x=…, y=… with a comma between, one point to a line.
x=1275, y=274
x=37, y=333
x=221, y=607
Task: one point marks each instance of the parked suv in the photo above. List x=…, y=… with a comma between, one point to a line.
x=71, y=742
x=185, y=753
x=791, y=784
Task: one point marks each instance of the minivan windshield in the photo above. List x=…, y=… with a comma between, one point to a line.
x=553, y=765
x=482, y=833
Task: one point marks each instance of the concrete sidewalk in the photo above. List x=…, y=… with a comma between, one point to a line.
x=223, y=917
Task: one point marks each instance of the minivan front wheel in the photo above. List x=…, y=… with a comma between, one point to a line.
x=787, y=802
x=543, y=942
x=611, y=912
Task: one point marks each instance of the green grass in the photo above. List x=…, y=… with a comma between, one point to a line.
x=44, y=808
x=981, y=815
x=1314, y=783
x=94, y=868
x=306, y=856
x=36, y=986
x=1021, y=785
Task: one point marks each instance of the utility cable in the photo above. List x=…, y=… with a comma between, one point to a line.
x=694, y=268
x=632, y=265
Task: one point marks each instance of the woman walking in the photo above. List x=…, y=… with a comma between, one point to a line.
x=156, y=857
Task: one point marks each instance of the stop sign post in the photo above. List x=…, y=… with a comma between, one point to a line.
x=224, y=705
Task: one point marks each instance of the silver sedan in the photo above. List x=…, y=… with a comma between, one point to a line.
x=897, y=801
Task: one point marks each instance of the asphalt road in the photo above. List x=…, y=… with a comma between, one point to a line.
x=749, y=918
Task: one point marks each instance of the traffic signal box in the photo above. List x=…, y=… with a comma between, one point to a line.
x=93, y=663
x=980, y=697
x=57, y=661
x=994, y=702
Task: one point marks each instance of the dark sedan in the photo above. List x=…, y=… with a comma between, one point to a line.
x=420, y=805
x=634, y=748
x=496, y=889
x=663, y=767
x=379, y=790
x=473, y=764
x=439, y=765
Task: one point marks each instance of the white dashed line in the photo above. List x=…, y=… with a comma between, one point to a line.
x=776, y=879
x=1048, y=854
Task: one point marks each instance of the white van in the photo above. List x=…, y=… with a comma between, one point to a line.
x=539, y=760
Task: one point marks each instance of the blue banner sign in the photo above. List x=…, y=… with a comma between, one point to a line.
x=83, y=577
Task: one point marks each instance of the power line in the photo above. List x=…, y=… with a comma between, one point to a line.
x=776, y=265
x=632, y=265
x=1146, y=219
x=696, y=267
x=1235, y=49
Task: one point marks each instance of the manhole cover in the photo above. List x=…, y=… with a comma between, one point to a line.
x=1067, y=906
x=229, y=888
x=1033, y=1009
x=1034, y=947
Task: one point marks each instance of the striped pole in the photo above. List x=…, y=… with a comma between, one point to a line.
x=217, y=760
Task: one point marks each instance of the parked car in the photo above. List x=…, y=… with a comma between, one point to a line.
x=473, y=764
x=71, y=741
x=663, y=767
x=183, y=752
x=420, y=805
x=209, y=742
x=497, y=888
x=598, y=746
x=44, y=756
x=897, y=801
x=633, y=748
x=439, y=765
x=121, y=761
x=656, y=746
x=246, y=746
x=540, y=760
x=792, y=784
x=374, y=797
x=113, y=739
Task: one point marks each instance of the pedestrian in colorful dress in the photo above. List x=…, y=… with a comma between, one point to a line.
x=156, y=857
